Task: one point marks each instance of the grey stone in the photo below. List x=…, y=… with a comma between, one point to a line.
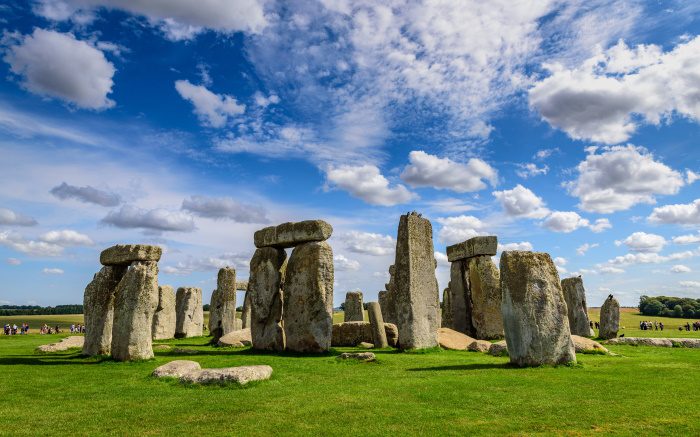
x=238, y=338
x=583, y=344
x=446, y=320
x=75, y=341
x=534, y=310
x=472, y=247
x=417, y=301
x=366, y=345
x=359, y=356
x=245, y=314
x=242, y=286
x=164, y=319
x=479, y=346
x=240, y=375
x=577, y=311
x=135, y=302
x=264, y=287
x=190, y=314
x=176, y=369
x=125, y=254
x=460, y=300
x=658, y=342
x=222, y=309
x=499, y=348
x=609, y=318
x=453, y=340
x=293, y=234
x=387, y=298
x=485, y=296
x=354, y=333
x=377, y=325
x=98, y=308
x=308, y=299
x=354, y=311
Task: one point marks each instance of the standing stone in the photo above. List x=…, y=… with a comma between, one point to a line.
x=446, y=321
x=164, y=319
x=485, y=296
x=354, y=311
x=98, y=306
x=534, y=310
x=245, y=314
x=308, y=302
x=190, y=314
x=376, y=322
x=388, y=297
x=575, y=296
x=222, y=309
x=460, y=300
x=265, y=287
x=609, y=318
x=416, y=301
x=135, y=302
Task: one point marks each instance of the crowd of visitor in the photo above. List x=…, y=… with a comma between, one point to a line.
x=16, y=330
x=649, y=326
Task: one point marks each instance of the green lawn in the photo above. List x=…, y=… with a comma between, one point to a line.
x=644, y=391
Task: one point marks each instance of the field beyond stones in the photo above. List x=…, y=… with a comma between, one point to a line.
x=643, y=391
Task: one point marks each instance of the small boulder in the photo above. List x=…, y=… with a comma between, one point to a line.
x=238, y=338
x=75, y=341
x=359, y=356
x=499, y=348
x=453, y=340
x=176, y=369
x=366, y=345
x=241, y=375
x=583, y=344
x=480, y=346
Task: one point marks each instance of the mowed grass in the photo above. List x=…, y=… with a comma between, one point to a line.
x=630, y=318
x=643, y=391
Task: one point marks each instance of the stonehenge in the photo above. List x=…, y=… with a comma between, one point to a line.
x=164, y=317
x=575, y=296
x=98, y=305
x=446, y=319
x=534, y=311
x=376, y=323
x=265, y=287
x=354, y=310
x=355, y=333
x=189, y=311
x=222, y=309
x=609, y=318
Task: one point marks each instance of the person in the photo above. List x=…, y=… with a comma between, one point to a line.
x=590, y=322
x=661, y=326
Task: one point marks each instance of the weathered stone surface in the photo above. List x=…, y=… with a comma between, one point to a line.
x=245, y=314
x=583, y=344
x=164, y=318
x=354, y=311
x=577, y=311
x=293, y=234
x=609, y=318
x=479, y=346
x=499, y=348
x=446, y=316
x=98, y=308
x=176, y=369
x=472, y=247
x=485, y=292
x=658, y=342
x=376, y=323
x=308, y=300
x=125, y=254
x=222, y=307
x=359, y=356
x=190, y=314
x=354, y=333
x=241, y=375
x=135, y=302
x=460, y=300
x=453, y=340
x=238, y=338
x=416, y=300
x=242, y=286
x=534, y=310
x=75, y=341
x=366, y=345
x=264, y=288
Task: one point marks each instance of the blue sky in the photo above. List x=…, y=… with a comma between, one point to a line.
x=564, y=127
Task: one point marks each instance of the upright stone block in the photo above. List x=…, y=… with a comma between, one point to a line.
x=460, y=298
x=609, y=318
x=308, y=301
x=222, y=308
x=416, y=300
x=534, y=311
x=265, y=287
x=164, y=319
x=245, y=315
x=485, y=295
x=577, y=311
x=190, y=314
x=354, y=310
x=136, y=300
x=446, y=320
x=98, y=308
x=376, y=323
x=476, y=246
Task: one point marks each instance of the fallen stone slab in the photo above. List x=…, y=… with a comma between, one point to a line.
x=127, y=253
x=479, y=346
x=241, y=375
x=366, y=345
x=359, y=356
x=65, y=344
x=583, y=344
x=472, y=247
x=499, y=348
x=453, y=340
x=292, y=234
x=240, y=338
x=176, y=369
x=657, y=342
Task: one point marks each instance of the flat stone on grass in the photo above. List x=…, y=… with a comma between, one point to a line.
x=359, y=356
x=176, y=369
x=240, y=375
x=75, y=341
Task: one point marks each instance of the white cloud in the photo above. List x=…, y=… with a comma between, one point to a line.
x=689, y=284
x=611, y=94
x=680, y=268
x=687, y=239
x=691, y=176
x=58, y=65
x=158, y=219
x=680, y=214
x=649, y=258
x=225, y=208
x=457, y=229
x=427, y=170
x=67, y=237
x=263, y=101
x=367, y=183
x=585, y=247
x=643, y=242
x=86, y=194
x=343, y=264
x=30, y=247
x=523, y=245
x=441, y=259
x=52, y=271
x=14, y=261
x=609, y=270
x=569, y=221
x=559, y=263
x=368, y=243
x=12, y=218
x=213, y=110
x=530, y=169
x=621, y=177
x=521, y=202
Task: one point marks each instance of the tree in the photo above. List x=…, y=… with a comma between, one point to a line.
x=678, y=311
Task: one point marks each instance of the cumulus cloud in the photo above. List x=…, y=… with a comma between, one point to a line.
x=687, y=239
x=521, y=202
x=680, y=268
x=523, y=245
x=12, y=218
x=86, y=194
x=427, y=170
x=621, y=177
x=569, y=221
x=559, y=263
x=689, y=284
x=530, y=169
x=679, y=214
x=643, y=242
x=213, y=110
x=649, y=258
x=225, y=208
x=52, y=271
x=585, y=247
x=30, y=247
x=368, y=243
x=57, y=65
x=158, y=219
x=610, y=270
x=67, y=237
x=239, y=261
x=607, y=97
x=457, y=229
x=343, y=264
x=691, y=176
x=367, y=183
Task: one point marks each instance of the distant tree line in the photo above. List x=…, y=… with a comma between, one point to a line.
x=666, y=306
x=28, y=310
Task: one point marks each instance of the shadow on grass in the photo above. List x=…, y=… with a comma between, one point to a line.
x=51, y=360
x=475, y=366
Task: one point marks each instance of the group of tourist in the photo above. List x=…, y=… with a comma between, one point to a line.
x=648, y=325
x=77, y=329
x=15, y=330
x=687, y=326
x=46, y=329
